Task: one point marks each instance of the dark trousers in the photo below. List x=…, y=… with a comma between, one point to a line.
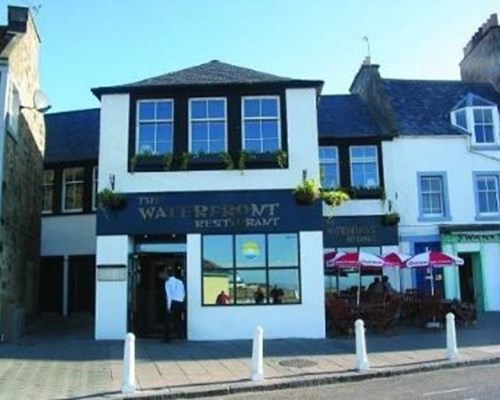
x=174, y=326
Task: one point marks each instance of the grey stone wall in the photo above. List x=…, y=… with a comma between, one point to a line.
x=21, y=217
x=482, y=62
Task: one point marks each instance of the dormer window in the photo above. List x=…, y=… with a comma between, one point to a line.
x=479, y=117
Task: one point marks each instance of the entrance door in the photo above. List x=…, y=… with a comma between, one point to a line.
x=51, y=284
x=470, y=280
x=81, y=291
x=150, y=304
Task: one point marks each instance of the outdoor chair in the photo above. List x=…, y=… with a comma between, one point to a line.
x=342, y=317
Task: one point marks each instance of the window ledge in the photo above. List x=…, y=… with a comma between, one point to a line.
x=475, y=146
x=433, y=219
x=493, y=217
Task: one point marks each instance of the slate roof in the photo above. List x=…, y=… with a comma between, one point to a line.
x=344, y=116
x=422, y=107
x=72, y=136
x=212, y=73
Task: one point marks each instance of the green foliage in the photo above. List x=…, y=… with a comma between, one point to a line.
x=334, y=198
x=281, y=157
x=307, y=192
x=167, y=161
x=184, y=160
x=107, y=198
x=243, y=159
x=391, y=219
x=227, y=160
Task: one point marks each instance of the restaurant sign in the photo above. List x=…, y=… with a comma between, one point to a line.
x=209, y=212
x=358, y=231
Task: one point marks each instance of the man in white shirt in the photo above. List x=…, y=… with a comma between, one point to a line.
x=175, y=295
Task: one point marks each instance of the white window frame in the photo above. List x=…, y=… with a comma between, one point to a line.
x=138, y=121
x=329, y=161
x=260, y=118
x=95, y=182
x=495, y=177
x=351, y=148
x=64, y=183
x=441, y=195
x=14, y=110
x=47, y=185
x=207, y=119
x=471, y=124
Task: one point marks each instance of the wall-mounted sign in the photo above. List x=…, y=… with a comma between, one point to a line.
x=210, y=212
x=112, y=272
x=358, y=232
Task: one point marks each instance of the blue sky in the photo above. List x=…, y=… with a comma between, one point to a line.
x=94, y=43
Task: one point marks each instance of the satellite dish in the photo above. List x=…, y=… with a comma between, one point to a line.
x=40, y=101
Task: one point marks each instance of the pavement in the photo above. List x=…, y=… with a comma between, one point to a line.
x=59, y=359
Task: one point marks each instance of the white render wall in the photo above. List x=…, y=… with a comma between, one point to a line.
x=302, y=153
x=405, y=156
x=68, y=235
x=111, y=297
x=306, y=320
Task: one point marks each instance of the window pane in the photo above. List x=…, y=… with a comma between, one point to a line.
x=269, y=108
x=327, y=153
x=146, y=133
x=252, y=130
x=270, y=145
x=199, y=146
x=435, y=184
x=164, y=110
x=250, y=251
x=251, y=108
x=284, y=286
x=283, y=250
x=164, y=132
x=217, y=131
x=461, y=119
x=483, y=203
x=146, y=110
x=216, y=146
x=269, y=129
x=251, y=286
x=199, y=131
x=216, y=109
x=198, y=109
x=478, y=116
x=493, y=202
x=164, y=147
x=217, y=267
x=253, y=146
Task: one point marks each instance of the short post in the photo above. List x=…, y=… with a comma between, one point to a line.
x=361, y=357
x=258, y=355
x=128, y=373
x=451, y=338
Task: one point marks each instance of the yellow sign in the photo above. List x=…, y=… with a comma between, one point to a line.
x=250, y=250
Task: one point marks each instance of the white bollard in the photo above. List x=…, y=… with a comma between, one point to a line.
x=451, y=338
x=128, y=373
x=361, y=357
x=258, y=355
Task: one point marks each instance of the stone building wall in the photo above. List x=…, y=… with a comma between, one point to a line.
x=21, y=205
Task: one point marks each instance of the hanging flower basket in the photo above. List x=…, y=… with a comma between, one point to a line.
x=106, y=198
x=307, y=192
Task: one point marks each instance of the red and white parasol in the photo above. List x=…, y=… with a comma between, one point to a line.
x=434, y=259
x=395, y=259
x=355, y=259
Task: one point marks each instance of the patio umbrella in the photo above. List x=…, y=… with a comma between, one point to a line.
x=396, y=259
x=358, y=260
x=431, y=259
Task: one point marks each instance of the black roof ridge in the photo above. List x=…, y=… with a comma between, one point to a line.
x=341, y=95
x=436, y=81
x=73, y=111
x=203, y=64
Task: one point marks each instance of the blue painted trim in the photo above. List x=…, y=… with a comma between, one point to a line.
x=476, y=146
x=446, y=204
x=475, y=175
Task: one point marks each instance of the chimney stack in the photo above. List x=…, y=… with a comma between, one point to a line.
x=481, y=62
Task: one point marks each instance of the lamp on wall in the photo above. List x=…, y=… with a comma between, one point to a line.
x=40, y=102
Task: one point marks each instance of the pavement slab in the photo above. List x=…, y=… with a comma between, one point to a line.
x=59, y=359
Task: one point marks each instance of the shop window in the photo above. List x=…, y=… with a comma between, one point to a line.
x=251, y=269
x=48, y=191
x=329, y=166
x=486, y=188
x=207, y=125
x=433, y=196
x=261, y=124
x=155, y=126
x=364, y=166
x=73, y=190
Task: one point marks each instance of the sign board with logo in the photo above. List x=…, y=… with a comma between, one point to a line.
x=358, y=231
x=210, y=212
